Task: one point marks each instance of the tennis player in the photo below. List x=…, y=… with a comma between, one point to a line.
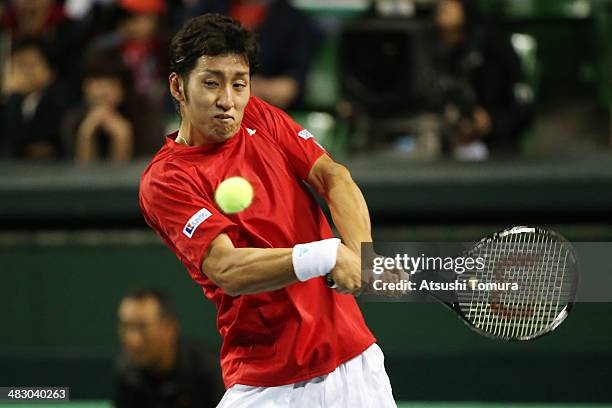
x=288, y=339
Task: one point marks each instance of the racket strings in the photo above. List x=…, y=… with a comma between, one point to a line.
x=538, y=264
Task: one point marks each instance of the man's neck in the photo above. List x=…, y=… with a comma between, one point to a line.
x=188, y=136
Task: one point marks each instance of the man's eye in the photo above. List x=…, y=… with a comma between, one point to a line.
x=239, y=85
x=210, y=84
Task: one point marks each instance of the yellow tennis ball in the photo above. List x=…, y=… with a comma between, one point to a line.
x=234, y=195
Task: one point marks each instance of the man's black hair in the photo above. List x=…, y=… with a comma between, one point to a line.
x=107, y=63
x=167, y=307
x=26, y=43
x=213, y=35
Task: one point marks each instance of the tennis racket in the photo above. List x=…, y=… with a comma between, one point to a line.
x=541, y=262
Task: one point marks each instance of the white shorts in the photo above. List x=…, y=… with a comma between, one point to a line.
x=358, y=383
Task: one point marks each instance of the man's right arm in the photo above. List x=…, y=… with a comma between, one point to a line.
x=240, y=271
x=171, y=203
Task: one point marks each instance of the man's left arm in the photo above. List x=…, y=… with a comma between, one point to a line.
x=346, y=203
x=349, y=211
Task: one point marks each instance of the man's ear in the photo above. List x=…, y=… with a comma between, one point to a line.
x=176, y=87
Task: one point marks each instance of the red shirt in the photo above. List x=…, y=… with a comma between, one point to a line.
x=274, y=338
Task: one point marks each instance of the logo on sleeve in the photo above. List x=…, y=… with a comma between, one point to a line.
x=305, y=134
x=194, y=221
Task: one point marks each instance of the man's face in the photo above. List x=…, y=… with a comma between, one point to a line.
x=450, y=15
x=217, y=92
x=32, y=8
x=30, y=64
x=103, y=91
x=144, y=335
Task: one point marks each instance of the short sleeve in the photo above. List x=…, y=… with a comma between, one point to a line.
x=186, y=219
x=298, y=144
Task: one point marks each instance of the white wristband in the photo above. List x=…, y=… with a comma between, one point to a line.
x=315, y=258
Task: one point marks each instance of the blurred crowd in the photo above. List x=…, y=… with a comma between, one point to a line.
x=86, y=80
x=447, y=82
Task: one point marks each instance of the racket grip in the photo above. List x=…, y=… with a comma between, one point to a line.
x=329, y=281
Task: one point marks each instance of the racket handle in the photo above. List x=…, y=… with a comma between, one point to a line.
x=329, y=281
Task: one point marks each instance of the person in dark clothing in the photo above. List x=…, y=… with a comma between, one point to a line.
x=46, y=20
x=139, y=37
x=111, y=123
x=34, y=104
x=487, y=100
x=158, y=369
x=102, y=126
x=288, y=40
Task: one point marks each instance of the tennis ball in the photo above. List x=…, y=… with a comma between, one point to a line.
x=234, y=195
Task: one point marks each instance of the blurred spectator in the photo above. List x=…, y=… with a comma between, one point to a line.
x=488, y=102
x=140, y=40
x=110, y=123
x=45, y=20
x=158, y=368
x=34, y=103
x=287, y=39
x=100, y=127
x=33, y=18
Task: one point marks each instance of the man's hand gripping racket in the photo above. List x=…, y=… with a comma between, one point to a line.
x=346, y=277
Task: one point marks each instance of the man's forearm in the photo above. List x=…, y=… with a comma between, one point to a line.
x=241, y=271
x=348, y=210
